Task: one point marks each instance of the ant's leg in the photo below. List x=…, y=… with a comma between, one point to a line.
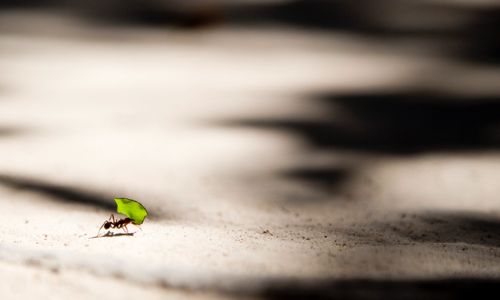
x=138, y=226
x=125, y=228
x=112, y=217
x=101, y=227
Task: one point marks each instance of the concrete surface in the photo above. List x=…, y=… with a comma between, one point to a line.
x=202, y=127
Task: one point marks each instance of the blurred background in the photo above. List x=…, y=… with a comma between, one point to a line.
x=370, y=123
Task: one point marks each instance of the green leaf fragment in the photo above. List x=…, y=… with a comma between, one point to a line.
x=132, y=209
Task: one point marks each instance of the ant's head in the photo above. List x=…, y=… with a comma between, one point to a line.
x=107, y=225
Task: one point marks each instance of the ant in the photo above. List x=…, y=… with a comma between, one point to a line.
x=120, y=223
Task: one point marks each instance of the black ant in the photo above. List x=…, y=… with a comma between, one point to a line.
x=120, y=223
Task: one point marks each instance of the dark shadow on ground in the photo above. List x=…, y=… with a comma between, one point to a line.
x=449, y=227
x=460, y=229
x=359, y=289
x=24, y=3
x=412, y=123
x=9, y=132
x=382, y=18
x=467, y=228
x=482, y=38
x=469, y=33
x=396, y=123
x=327, y=179
x=386, y=124
x=57, y=192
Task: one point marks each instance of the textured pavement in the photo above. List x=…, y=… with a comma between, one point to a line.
x=275, y=162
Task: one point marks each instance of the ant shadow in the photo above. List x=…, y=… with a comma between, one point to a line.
x=112, y=234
